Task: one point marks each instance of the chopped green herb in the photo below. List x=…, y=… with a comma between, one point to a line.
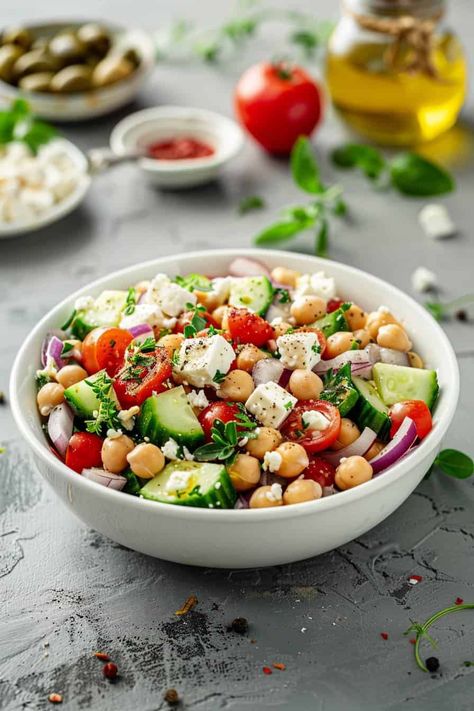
x=194, y=282
x=251, y=203
x=41, y=379
x=288, y=405
x=69, y=321
x=219, y=377
x=107, y=413
x=441, y=310
x=18, y=124
x=283, y=295
x=67, y=348
x=131, y=302
x=225, y=437
x=139, y=357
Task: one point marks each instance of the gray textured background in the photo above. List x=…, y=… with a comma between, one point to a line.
x=66, y=591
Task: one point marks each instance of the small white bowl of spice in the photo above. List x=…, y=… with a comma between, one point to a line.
x=181, y=147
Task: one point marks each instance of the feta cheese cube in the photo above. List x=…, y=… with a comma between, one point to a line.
x=315, y=284
x=270, y=404
x=147, y=313
x=271, y=461
x=170, y=449
x=423, y=279
x=198, y=399
x=199, y=359
x=436, y=221
x=315, y=420
x=220, y=288
x=170, y=297
x=299, y=350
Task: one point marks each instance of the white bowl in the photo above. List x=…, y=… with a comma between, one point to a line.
x=241, y=538
x=61, y=208
x=137, y=131
x=80, y=106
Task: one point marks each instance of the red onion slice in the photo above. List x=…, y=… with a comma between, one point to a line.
x=58, y=333
x=267, y=370
x=393, y=357
x=400, y=444
x=241, y=503
x=245, y=267
x=141, y=332
x=100, y=476
x=60, y=426
x=359, y=447
x=355, y=358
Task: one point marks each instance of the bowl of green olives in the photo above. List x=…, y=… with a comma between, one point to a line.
x=73, y=71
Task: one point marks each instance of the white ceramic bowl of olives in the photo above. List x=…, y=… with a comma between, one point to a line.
x=76, y=71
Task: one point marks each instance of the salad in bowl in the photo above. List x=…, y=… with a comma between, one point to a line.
x=263, y=387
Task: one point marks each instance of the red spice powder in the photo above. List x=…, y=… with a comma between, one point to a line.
x=458, y=601
x=179, y=149
x=384, y=635
x=267, y=670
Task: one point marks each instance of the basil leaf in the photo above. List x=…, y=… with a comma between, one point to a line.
x=356, y=155
x=304, y=167
x=280, y=231
x=436, y=309
x=413, y=175
x=322, y=239
x=455, y=463
x=252, y=202
x=209, y=452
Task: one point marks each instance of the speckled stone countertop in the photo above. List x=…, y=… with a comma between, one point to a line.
x=66, y=591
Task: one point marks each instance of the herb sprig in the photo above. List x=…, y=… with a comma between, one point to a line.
x=225, y=439
x=440, y=310
x=197, y=323
x=313, y=215
x=107, y=413
x=193, y=282
x=407, y=172
x=250, y=204
x=130, y=302
x=18, y=124
x=138, y=357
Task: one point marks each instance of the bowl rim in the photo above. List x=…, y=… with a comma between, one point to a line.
x=385, y=479
x=139, y=119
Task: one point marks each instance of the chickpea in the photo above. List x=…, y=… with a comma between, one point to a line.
x=281, y=328
x=248, y=356
x=375, y=449
x=302, y=490
x=114, y=453
x=361, y=337
x=355, y=317
x=244, y=472
x=305, y=385
x=267, y=440
x=285, y=276
x=208, y=299
x=393, y=336
x=49, y=396
x=220, y=316
x=70, y=375
x=376, y=319
x=294, y=459
x=237, y=386
x=146, y=460
x=141, y=287
x=307, y=309
x=338, y=343
x=263, y=498
x=415, y=360
x=353, y=471
x=348, y=433
x=171, y=342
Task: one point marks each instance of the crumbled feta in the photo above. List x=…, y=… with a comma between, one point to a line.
x=220, y=288
x=270, y=404
x=198, y=399
x=147, y=313
x=243, y=442
x=315, y=284
x=275, y=493
x=314, y=420
x=113, y=434
x=83, y=303
x=170, y=297
x=199, y=359
x=127, y=417
x=189, y=456
x=170, y=449
x=436, y=221
x=423, y=279
x=178, y=482
x=276, y=321
x=271, y=461
x=299, y=350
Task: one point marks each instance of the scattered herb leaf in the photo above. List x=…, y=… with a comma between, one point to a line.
x=131, y=302
x=107, y=413
x=455, y=463
x=193, y=282
x=251, y=203
x=18, y=124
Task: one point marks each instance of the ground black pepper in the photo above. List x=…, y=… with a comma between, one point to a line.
x=461, y=315
x=432, y=664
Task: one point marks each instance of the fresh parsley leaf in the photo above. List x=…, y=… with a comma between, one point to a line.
x=138, y=358
x=67, y=348
x=356, y=155
x=282, y=295
x=41, y=379
x=251, y=203
x=218, y=377
x=193, y=282
x=18, y=124
x=304, y=168
x=131, y=302
x=414, y=175
x=455, y=463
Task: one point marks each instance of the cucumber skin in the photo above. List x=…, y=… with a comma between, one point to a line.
x=222, y=498
x=332, y=323
x=149, y=425
x=270, y=293
x=363, y=416
x=346, y=404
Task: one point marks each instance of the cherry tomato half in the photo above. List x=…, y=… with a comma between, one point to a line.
x=417, y=410
x=135, y=383
x=223, y=411
x=247, y=327
x=312, y=440
x=84, y=451
x=321, y=471
x=277, y=103
x=334, y=305
x=105, y=348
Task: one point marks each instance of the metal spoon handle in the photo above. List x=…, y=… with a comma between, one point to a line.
x=100, y=159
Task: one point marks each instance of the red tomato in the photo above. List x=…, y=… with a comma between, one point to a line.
x=224, y=411
x=334, y=305
x=185, y=320
x=312, y=440
x=321, y=471
x=135, y=383
x=277, y=103
x=84, y=451
x=247, y=327
x=105, y=348
x=417, y=410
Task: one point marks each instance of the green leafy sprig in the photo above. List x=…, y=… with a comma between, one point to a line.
x=440, y=310
x=138, y=357
x=192, y=282
x=197, y=323
x=130, y=302
x=18, y=124
x=407, y=172
x=225, y=439
x=107, y=413
x=250, y=204
x=314, y=215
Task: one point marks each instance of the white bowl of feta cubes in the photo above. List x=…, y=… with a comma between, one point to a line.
x=252, y=537
x=39, y=189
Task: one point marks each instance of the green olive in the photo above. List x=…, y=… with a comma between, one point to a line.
x=132, y=56
x=111, y=70
x=67, y=48
x=73, y=78
x=40, y=81
x=17, y=35
x=9, y=54
x=95, y=38
x=32, y=62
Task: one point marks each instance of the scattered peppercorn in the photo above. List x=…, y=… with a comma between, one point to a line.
x=461, y=315
x=458, y=601
x=239, y=625
x=110, y=670
x=432, y=664
x=102, y=656
x=384, y=635
x=267, y=670
x=55, y=698
x=171, y=697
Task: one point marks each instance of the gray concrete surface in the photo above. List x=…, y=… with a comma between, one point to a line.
x=66, y=592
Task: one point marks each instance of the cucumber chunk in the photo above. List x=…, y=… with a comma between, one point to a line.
x=333, y=322
x=82, y=399
x=106, y=311
x=339, y=390
x=252, y=293
x=169, y=414
x=369, y=410
x=399, y=382
x=192, y=484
